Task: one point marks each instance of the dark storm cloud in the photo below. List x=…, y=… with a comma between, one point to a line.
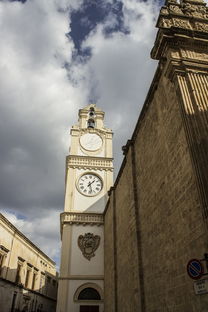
x=30, y=160
x=40, y=95
x=37, y=107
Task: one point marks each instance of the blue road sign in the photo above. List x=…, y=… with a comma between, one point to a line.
x=195, y=269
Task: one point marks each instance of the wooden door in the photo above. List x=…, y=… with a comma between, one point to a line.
x=84, y=308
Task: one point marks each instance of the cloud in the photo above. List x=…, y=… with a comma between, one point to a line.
x=42, y=88
x=120, y=69
x=38, y=103
x=38, y=106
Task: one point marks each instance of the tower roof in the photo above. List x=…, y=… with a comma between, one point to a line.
x=88, y=107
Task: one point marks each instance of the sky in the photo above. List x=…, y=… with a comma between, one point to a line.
x=56, y=57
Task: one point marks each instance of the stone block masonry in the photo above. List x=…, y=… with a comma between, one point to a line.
x=156, y=217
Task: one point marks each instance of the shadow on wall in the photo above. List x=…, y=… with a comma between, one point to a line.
x=98, y=205
x=28, y=292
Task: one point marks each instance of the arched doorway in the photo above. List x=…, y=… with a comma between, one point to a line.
x=89, y=296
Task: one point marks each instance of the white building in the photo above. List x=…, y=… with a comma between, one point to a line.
x=28, y=278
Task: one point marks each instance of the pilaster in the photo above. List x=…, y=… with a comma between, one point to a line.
x=182, y=47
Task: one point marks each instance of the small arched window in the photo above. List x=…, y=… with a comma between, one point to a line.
x=92, y=111
x=91, y=123
x=89, y=293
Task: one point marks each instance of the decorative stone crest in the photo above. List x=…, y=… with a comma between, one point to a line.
x=88, y=244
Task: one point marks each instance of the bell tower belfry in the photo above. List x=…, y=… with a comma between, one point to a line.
x=89, y=176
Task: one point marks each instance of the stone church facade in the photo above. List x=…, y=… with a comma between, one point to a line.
x=156, y=216
x=130, y=249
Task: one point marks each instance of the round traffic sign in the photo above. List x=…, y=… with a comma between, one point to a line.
x=195, y=269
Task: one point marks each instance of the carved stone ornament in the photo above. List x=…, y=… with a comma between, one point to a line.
x=195, y=10
x=165, y=23
x=201, y=27
x=88, y=244
x=175, y=9
x=181, y=23
x=164, y=11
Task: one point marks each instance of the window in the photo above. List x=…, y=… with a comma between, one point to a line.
x=92, y=112
x=28, y=275
x=91, y=123
x=13, y=302
x=33, y=281
x=27, y=278
x=42, y=282
x=35, y=274
x=18, y=276
x=1, y=263
x=20, y=263
x=89, y=294
x=3, y=254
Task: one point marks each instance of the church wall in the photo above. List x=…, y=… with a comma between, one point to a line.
x=109, y=260
x=126, y=246
x=122, y=254
x=170, y=214
x=170, y=229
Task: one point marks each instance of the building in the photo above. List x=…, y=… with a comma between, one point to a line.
x=89, y=176
x=156, y=216
x=28, y=278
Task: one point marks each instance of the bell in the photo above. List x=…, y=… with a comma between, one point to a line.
x=91, y=123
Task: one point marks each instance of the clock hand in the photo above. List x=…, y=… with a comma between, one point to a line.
x=89, y=184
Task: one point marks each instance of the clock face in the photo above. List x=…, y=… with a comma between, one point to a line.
x=91, y=141
x=89, y=184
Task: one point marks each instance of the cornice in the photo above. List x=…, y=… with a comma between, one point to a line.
x=80, y=218
x=188, y=19
x=86, y=162
x=76, y=130
x=27, y=241
x=82, y=277
x=83, y=218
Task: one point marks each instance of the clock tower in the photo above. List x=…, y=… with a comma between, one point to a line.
x=89, y=176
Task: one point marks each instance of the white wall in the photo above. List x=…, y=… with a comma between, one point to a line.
x=79, y=264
